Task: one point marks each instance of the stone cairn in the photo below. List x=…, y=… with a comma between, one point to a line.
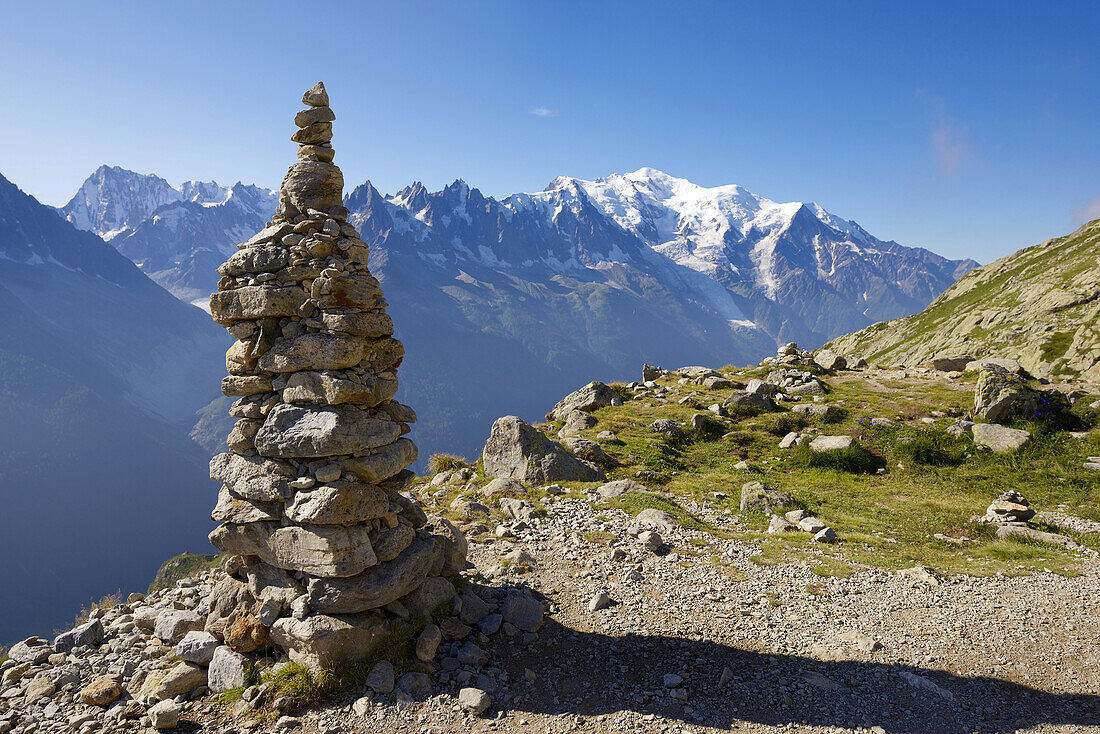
x=325, y=554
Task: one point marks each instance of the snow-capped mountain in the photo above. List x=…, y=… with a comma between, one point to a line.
x=537, y=291
x=177, y=236
x=102, y=372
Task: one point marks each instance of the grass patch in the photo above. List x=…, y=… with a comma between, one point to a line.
x=855, y=459
x=446, y=462
x=87, y=610
x=306, y=689
x=4, y=654
x=931, y=451
x=598, y=537
x=780, y=424
x=232, y=695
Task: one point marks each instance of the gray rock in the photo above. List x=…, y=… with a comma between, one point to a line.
x=312, y=351
x=313, y=184
x=322, y=639
x=619, y=487
x=587, y=399
x=811, y=525
x=830, y=360
x=252, y=477
x=474, y=700
x=502, y=486
x=324, y=550
x=376, y=586
x=999, y=394
x=780, y=524
x=294, y=431
x=173, y=624
x=381, y=677
x=759, y=496
x=316, y=96
x=822, y=444
x=977, y=365
x=416, y=686
x=1000, y=439
x=651, y=540
x=825, y=535
x=339, y=503
x=198, y=647
x=815, y=409
x=787, y=441
x=89, y=634
x=653, y=518
x=757, y=386
x=384, y=462
x=427, y=644
x=164, y=715
x=665, y=425
x=256, y=302
x=749, y=401
x=587, y=450
x=522, y=610
x=227, y=669
x=516, y=449
x=602, y=600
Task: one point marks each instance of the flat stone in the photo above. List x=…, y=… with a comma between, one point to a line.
x=252, y=477
x=255, y=302
x=811, y=525
x=316, y=134
x=197, y=647
x=319, y=351
x=181, y=679
x=369, y=325
x=258, y=259
x=323, y=550
x=294, y=431
x=238, y=510
x=338, y=503
x=619, y=487
x=1000, y=439
x=376, y=586
x=241, y=386
x=822, y=444
x=360, y=292
x=305, y=118
x=322, y=153
x=321, y=639
x=331, y=389
x=173, y=624
x=384, y=462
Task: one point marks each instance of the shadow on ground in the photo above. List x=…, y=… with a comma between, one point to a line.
x=588, y=674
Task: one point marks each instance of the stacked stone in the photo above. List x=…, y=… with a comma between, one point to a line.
x=325, y=553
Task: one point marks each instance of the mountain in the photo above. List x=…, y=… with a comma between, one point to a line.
x=177, y=236
x=1039, y=306
x=503, y=304
x=101, y=371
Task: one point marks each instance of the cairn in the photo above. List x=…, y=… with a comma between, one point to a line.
x=325, y=553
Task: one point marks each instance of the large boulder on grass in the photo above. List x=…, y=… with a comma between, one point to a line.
x=590, y=397
x=759, y=496
x=999, y=394
x=517, y=450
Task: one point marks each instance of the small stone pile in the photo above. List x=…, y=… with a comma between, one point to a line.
x=1009, y=508
x=789, y=353
x=325, y=552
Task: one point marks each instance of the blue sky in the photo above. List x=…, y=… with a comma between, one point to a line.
x=967, y=128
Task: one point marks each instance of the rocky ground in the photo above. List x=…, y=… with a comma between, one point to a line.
x=695, y=643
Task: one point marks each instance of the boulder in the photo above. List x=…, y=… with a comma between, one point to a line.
x=619, y=487
x=320, y=639
x=164, y=715
x=827, y=359
x=101, y=692
x=228, y=669
x=179, y=680
x=758, y=386
x=516, y=449
x=474, y=700
x=999, y=393
x=665, y=426
x=587, y=399
x=502, y=486
x=977, y=365
x=173, y=624
x=89, y=634
x=1000, y=439
x=312, y=185
x=759, y=496
x=587, y=450
x=522, y=610
x=197, y=647
x=753, y=401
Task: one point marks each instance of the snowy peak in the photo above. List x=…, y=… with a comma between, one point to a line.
x=114, y=200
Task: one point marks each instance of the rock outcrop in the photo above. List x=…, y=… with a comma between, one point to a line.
x=310, y=507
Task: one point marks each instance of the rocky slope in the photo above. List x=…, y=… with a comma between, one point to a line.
x=1039, y=306
x=669, y=605
x=102, y=372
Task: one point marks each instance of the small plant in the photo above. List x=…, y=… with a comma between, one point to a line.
x=3, y=654
x=930, y=451
x=446, y=462
x=598, y=537
x=781, y=424
x=855, y=459
x=87, y=610
x=182, y=566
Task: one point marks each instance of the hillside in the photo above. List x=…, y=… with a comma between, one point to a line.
x=101, y=372
x=1039, y=306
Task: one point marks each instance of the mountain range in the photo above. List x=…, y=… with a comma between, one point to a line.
x=503, y=304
